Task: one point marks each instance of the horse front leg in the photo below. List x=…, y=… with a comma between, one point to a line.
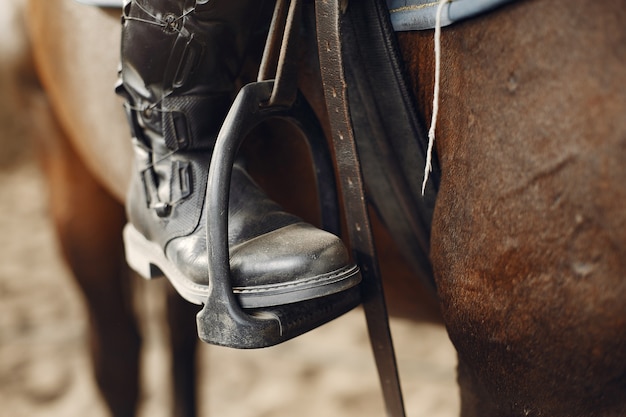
x=88, y=223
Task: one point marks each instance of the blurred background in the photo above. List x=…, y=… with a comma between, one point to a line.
x=44, y=359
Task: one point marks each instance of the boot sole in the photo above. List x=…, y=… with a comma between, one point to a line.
x=149, y=261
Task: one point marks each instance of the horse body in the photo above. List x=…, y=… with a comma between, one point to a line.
x=73, y=46
x=529, y=231
x=529, y=227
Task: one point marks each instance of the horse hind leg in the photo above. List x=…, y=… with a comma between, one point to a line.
x=88, y=223
x=183, y=342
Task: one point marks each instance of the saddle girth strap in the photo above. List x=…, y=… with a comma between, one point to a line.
x=328, y=19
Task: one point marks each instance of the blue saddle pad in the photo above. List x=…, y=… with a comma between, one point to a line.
x=405, y=14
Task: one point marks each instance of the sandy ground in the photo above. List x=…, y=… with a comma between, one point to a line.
x=44, y=368
x=44, y=365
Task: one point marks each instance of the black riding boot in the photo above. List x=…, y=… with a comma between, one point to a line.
x=179, y=64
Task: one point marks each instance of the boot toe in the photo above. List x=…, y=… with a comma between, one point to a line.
x=291, y=264
x=289, y=254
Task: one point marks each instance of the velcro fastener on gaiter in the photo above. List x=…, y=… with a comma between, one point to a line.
x=193, y=122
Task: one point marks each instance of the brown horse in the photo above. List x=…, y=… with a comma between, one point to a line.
x=529, y=233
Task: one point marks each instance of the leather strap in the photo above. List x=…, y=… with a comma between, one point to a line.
x=391, y=139
x=328, y=17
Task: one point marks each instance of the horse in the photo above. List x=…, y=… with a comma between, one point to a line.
x=528, y=233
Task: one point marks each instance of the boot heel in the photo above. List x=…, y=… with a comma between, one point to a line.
x=138, y=255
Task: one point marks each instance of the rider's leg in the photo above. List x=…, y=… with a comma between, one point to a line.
x=179, y=64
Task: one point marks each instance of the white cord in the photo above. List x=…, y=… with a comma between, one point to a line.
x=433, y=121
